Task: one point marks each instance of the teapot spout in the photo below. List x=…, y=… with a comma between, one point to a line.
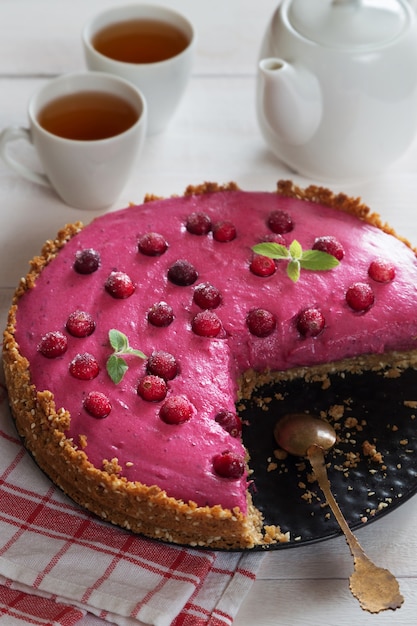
x=290, y=100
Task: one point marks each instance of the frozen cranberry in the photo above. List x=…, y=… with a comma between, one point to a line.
x=152, y=388
x=275, y=238
x=84, y=366
x=230, y=422
x=160, y=314
x=310, y=322
x=182, y=273
x=198, y=223
x=86, y=261
x=80, y=324
x=53, y=344
x=206, y=324
x=381, y=270
x=162, y=364
x=206, y=296
x=97, y=404
x=176, y=410
x=152, y=244
x=262, y=266
x=224, y=231
x=119, y=285
x=360, y=296
x=229, y=465
x=261, y=322
x=280, y=222
x=330, y=245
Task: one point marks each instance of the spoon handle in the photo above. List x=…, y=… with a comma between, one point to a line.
x=375, y=587
x=316, y=457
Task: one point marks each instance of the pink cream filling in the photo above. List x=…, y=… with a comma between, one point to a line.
x=178, y=458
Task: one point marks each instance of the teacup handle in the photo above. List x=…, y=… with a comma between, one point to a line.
x=12, y=134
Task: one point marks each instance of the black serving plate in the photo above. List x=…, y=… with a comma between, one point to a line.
x=386, y=407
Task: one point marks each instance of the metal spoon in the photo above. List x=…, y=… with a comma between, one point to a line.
x=304, y=435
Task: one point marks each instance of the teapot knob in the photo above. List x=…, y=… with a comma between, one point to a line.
x=352, y=2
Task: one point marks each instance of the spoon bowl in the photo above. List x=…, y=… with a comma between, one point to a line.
x=296, y=432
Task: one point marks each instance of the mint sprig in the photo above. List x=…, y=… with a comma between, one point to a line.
x=116, y=365
x=298, y=259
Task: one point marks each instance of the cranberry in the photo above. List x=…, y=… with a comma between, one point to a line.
x=162, y=364
x=280, y=222
x=230, y=422
x=152, y=388
x=80, y=324
x=198, y=223
x=152, y=244
x=275, y=238
x=330, y=245
x=229, y=465
x=176, y=410
x=262, y=266
x=224, y=231
x=97, y=404
x=119, y=285
x=161, y=314
x=381, y=270
x=206, y=296
x=261, y=322
x=360, y=297
x=206, y=324
x=53, y=344
x=86, y=261
x=310, y=322
x=182, y=273
x=84, y=366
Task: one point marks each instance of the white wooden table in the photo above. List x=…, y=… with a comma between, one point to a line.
x=214, y=136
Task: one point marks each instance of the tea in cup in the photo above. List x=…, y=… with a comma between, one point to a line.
x=151, y=46
x=87, y=129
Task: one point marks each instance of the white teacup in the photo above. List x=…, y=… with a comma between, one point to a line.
x=161, y=79
x=87, y=168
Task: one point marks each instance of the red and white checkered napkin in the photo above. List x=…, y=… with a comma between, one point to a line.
x=57, y=562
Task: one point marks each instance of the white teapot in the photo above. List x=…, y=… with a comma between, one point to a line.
x=337, y=85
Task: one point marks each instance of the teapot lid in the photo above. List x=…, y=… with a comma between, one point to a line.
x=348, y=23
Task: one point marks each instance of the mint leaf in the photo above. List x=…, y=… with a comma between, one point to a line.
x=296, y=250
x=318, y=260
x=118, y=340
x=293, y=270
x=116, y=368
x=138, y=353
x=271, y=250
x=297, y=258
